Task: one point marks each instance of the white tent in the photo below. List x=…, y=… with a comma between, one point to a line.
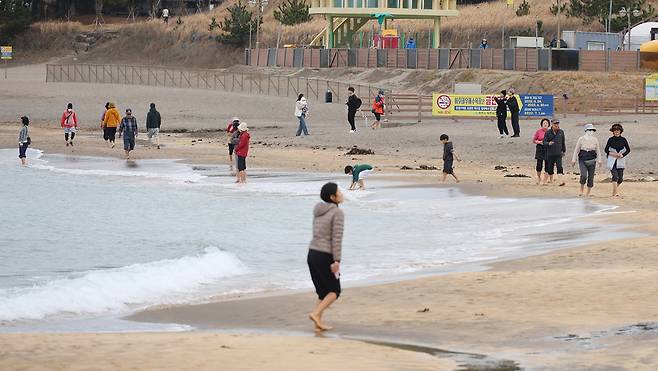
x=639, y=35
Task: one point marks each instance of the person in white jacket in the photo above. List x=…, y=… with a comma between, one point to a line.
x=301, y=112
x=587, y=153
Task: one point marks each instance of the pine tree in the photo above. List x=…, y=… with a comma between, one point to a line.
x=292, y=12
x=524, y=9
x=237, y=25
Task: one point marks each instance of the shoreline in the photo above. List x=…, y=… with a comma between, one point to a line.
x=554, y=294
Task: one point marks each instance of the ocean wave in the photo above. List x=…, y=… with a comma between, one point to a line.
x=120, y=289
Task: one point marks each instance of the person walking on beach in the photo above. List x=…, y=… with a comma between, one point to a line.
x=501, y=113
x=449, y=155
x=556, y=147
x=353, y=104
x=324, y=252
x=69, y=122
x=513, y=104
x=24, y=140
x=617, y=149
x=301, y=111
x=358, y=173
x=588, y=154
x=110, y=122
x=129, y=130
x=540, y=148
x=231, y=129
x=153, y=123
x=378, y=108
x=242, y=151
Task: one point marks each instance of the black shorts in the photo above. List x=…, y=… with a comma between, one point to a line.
x=109, y=134
x=230, y=149
x=242, y=163
x=447, y=167
x=319, y=264
x=378, y=116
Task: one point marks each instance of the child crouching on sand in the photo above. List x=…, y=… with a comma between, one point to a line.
x=448, y=155
x=358, y=172
x=324, y=251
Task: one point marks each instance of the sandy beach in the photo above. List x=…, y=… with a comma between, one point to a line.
x=589, y=307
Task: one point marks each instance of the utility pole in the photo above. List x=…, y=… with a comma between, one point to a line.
x=259, y=4
x=559, y=35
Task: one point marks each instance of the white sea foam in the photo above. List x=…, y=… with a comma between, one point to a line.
x=112, y=290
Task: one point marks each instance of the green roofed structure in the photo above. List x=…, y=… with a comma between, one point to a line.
x=346, y=17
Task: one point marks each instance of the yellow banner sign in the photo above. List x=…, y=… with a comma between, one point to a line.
x=463, y=105
x=651, y=87
x=5, y=52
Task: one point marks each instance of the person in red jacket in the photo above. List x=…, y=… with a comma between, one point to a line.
x=378, y=109
x=242, y=150
x=69, y=122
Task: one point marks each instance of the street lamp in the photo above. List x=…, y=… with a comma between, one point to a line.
x=627, y=13
x=260, y=4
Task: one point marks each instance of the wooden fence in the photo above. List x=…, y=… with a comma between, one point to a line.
x=401, y=107
x=221, y=80
x=519, y=59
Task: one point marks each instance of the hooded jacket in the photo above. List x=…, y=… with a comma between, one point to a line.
x=242, y=149
x=328, y=223
x=153, y=119
x=112, y=117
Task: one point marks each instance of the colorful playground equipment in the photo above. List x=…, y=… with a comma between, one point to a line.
x=346, y=17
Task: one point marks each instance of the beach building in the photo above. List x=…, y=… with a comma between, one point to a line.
x=592, y=40
x=345, y=17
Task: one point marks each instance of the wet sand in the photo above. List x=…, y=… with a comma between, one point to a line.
x=570, y=309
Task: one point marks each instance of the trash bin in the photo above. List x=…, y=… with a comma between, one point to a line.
x=328, y=96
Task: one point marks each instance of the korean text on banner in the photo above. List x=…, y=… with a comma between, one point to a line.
x=537, y=105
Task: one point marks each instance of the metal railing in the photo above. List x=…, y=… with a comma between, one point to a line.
x=219, y=80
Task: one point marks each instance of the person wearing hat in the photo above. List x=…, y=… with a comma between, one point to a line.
x=484, y=44
x=242, y=151
x=110, y=122
x=23, y=140
x=377, y=109
x=231, y=130
x=153, y=123
x=129, y=130
x=617, y=149
x=69, y=123
x=588, y=154
x=556, y=147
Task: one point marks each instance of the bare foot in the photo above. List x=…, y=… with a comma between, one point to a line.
x=318, y=324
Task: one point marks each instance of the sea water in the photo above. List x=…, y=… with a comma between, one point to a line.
x=85, y=237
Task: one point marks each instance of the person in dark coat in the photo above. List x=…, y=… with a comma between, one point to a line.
x=556, y=147
x=513, y=104
x=153, y=123
x=501, y=113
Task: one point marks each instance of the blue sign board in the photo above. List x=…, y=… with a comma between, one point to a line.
x=537, y=105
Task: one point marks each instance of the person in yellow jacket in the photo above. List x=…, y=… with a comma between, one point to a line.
x=111, y=120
